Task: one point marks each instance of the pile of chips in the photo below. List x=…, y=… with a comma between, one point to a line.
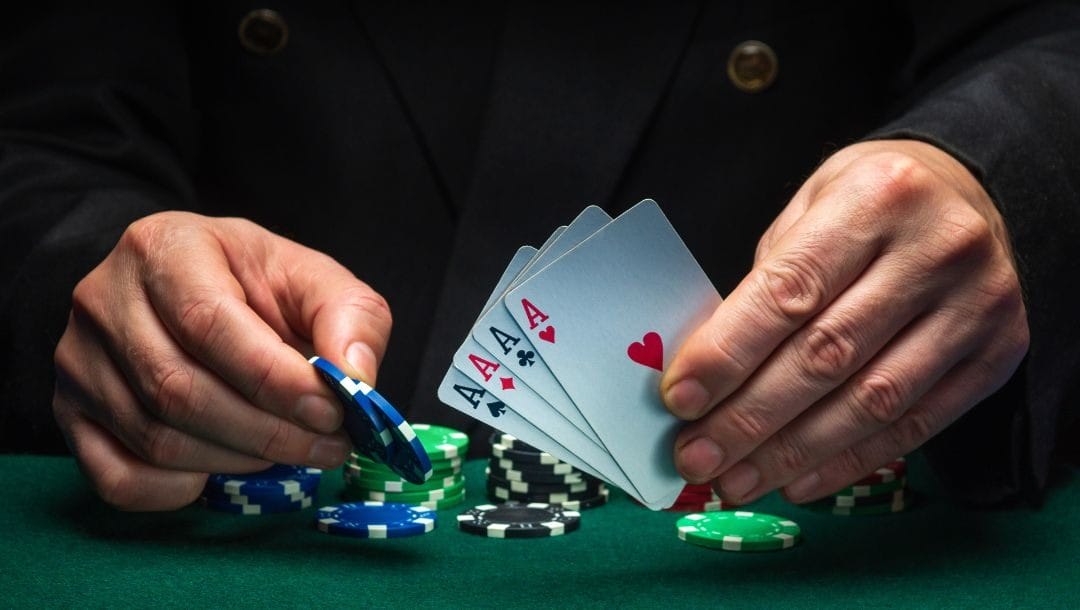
x=518, y=472
x=881, y=492
x=278, y=489
x=368, y=480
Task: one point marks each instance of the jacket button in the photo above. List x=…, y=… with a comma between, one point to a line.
x=752, y=66
x=263, y=32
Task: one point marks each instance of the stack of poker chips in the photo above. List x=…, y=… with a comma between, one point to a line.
x=518, y=472
x=881, y=492
x=278, y=489
x=368, y=480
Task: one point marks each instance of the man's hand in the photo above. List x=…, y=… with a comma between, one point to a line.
x=185, y=354
x=883, y=304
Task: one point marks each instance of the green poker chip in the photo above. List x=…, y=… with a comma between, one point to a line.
x=372, y=470
x=449, y=501
x=738, y=531
x=440, y=442
x=409, y=497
x=362, y=482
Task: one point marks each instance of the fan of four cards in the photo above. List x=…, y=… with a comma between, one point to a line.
x=569, y=348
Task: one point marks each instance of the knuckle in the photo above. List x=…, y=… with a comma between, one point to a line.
x=201, y=319
x=750, y=426
x=279, y=440
x=914, y=429
x=897, y=179
x=793, y=286
x=851, y=463
x=162, y=445
x=371, y=303
x=172, y=387
x=265, y=367
x=117, y=487
x=964, y=235
x=790, y=454
x=830, y=351
x=142, y=236
x=724, y=357
x=879, y=396
x=1003, y=294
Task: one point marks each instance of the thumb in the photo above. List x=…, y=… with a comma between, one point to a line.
x=348, y=322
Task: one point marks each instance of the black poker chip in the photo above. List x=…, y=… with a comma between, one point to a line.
x=525, y=457
x=515, y=520
x=535, y=476
x=588, y=485
x=557, y=497
x=511, y=441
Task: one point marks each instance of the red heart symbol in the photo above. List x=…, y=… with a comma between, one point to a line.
x=649, y=351
x=548, y=334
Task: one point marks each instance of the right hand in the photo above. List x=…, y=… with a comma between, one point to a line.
x=185, y=354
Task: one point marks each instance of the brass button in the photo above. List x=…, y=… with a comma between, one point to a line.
x=263, y=32
x=752, y=66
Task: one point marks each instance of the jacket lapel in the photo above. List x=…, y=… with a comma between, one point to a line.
x=572, y=94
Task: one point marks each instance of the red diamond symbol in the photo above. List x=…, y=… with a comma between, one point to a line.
x=507, y=383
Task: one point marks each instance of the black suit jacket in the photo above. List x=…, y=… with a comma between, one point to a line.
x=420, y=143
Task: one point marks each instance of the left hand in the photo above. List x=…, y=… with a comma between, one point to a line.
x=882, y=305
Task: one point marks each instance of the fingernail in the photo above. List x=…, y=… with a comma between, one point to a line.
x=687, y=398
x=327, y=452
x=802, y=487
x=700, y=458
x=740, y=480
x=317, y=413
x=362, y=359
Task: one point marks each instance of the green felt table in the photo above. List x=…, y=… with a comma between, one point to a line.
x=63, y=547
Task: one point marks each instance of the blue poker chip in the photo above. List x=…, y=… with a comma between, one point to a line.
x=375, y=520
x=266, y=500
x=366, y=430
x=408, y=457
x=280, y=479
x=226, y=506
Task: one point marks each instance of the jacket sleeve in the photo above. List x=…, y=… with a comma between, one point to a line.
x=94, y=125
x=1004, y=99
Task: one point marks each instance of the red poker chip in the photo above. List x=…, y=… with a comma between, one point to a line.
x=696, y=507
x=886, y=474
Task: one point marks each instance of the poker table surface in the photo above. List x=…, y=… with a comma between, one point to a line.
x=64, y=547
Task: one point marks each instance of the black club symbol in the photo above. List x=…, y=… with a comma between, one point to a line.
x=526, y=358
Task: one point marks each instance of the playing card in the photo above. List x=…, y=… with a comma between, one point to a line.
x=459, y=391
x=494, y=377
x=606, y=318
x=497, y=332
x=517, y=263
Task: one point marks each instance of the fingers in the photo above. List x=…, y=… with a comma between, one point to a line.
x=119, y=477
x=349, y=322
x=214, y=341
x=810, y=364
x=187, y=396
x=870, y=401
x=963, y=387
x=88, y=381
x=812, y=263
x=980, y=355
